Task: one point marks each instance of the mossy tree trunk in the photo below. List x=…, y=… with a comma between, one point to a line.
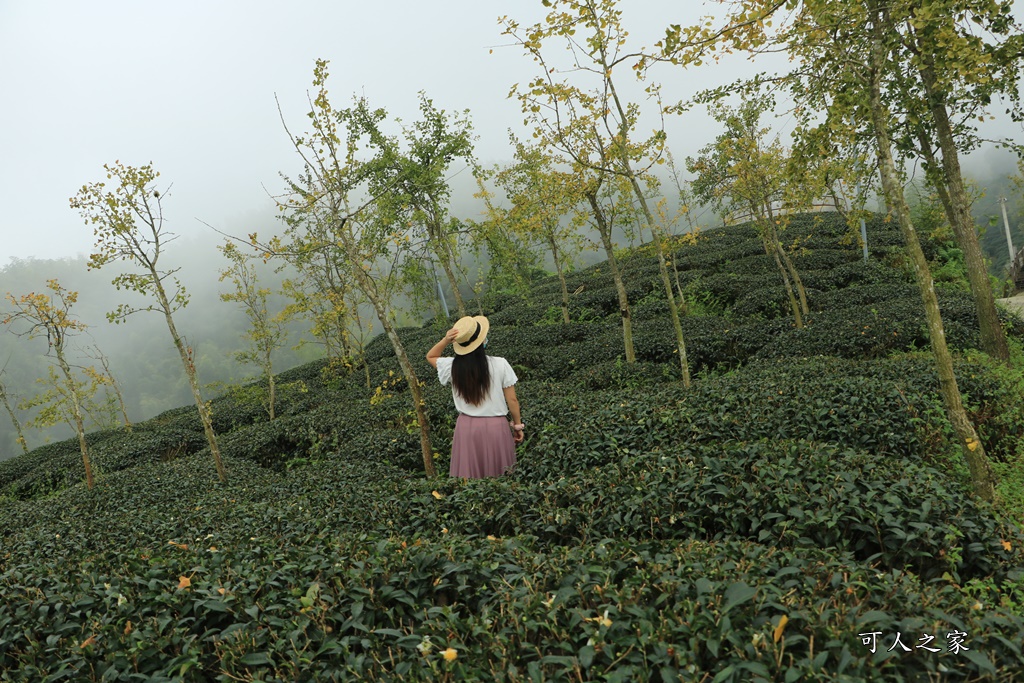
x=794, y=274
x=609, y=249
x=659, y=243
x=770, y=242
x=556, y=255
x=973, y=451
x=185, y=353
x=76, y=407
x=369, y=289
x=794, y=303
x=957, y=205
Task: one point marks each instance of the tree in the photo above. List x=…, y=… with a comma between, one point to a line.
x=55, y=403
x=845, y=53
x=510, y=255
x=944, y=74
x=974, y=452
x=49, y=315
x=322, y=291
x=14, y=417
x=266, y=333
x=596, y=128
x=747, y=174
x=128, y=222
x=541, y=196
x=410, y=183
x=364, y=240
x=950, y=61
x=106, y=378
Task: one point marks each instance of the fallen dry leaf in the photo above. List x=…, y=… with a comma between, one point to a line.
x=184, y=582
x=777, y=633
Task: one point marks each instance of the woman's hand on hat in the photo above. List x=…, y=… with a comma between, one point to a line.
x=452, y=334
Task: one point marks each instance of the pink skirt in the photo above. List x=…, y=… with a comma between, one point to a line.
x=482, y=447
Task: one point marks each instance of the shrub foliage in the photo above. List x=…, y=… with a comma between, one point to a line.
x=802, y=493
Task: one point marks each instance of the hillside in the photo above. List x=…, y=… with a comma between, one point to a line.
x=806, y=490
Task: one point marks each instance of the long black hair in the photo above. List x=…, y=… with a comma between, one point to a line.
x=471, y=376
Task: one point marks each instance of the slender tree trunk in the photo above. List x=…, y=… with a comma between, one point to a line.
x=973, y=451
x=620, y=287
x=770, y=245
x=794, y=304
x=460, y=305
x=193, y=381
x=770, y=242
x=271, y=387
x=795, y=274
x=335, y=290
x=362, y=346
x=673, y=310
x=958, y=211
x=445, y=255
x=658, y=239
x=403, y=360
x=651, y=223
x=117, y=389
x=369, y=289
x=76, y=404
x=679, y=287
x=14, y=419
x=561, y=278
x=457, y=269
x=797, y=281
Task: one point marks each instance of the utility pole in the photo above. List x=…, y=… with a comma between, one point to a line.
x=863, y=228
x=444, y=302
x=1006, y=226
x=440, y=292
x=864, y=238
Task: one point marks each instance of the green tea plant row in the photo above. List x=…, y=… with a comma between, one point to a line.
x=348, y=568
x=804, y=491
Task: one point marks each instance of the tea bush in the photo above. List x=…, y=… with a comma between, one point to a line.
x=805, y=490
x=886, y=511
x=886, y=407
x=282, y=598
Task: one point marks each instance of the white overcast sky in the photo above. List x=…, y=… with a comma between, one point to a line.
x=190, y=86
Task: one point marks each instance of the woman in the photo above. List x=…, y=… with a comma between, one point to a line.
x=484, y=391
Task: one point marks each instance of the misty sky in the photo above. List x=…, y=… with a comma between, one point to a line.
x=190, y=86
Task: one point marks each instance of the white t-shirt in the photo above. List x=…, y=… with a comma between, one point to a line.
x=493, y=405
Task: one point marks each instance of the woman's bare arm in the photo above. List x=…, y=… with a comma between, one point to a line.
x=437, y=349
x=513, y=407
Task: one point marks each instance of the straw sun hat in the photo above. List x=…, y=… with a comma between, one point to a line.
x=472, y=333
